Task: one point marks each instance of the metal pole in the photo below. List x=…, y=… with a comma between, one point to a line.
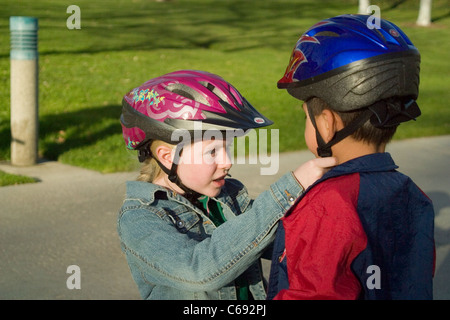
x=24, y=91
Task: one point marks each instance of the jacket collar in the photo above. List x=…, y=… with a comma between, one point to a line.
x=148, y=192
x=375, y=162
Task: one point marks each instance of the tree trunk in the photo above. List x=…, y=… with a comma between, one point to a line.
x=363, y=4
x=424, y=18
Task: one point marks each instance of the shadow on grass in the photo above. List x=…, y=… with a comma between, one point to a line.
x=231, y=25
x=59, y=133
x=440, y=17
x=226, y=25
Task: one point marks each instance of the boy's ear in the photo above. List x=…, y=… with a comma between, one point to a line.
x=165, y=155
x=328, y=123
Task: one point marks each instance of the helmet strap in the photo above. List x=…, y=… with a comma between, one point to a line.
x=144, y=151
x=324, y=149
x=189, y=194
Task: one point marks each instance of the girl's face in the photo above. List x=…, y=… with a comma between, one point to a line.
x=204, y=165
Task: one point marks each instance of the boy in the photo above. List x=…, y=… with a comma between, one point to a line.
x=363, y=231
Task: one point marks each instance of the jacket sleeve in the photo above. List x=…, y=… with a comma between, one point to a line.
x=323, y=235
x=167, y=257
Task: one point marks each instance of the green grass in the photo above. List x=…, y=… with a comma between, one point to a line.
x=7, y=179
x=122, y=43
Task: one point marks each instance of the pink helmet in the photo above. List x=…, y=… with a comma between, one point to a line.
x=177, y=100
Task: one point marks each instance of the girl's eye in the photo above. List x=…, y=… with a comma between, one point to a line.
x=212, y=152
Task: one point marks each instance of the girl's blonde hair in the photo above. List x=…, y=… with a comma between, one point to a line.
x=150, y=169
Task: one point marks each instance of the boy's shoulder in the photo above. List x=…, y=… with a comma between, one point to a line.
x=337, y=188
x=334, y=199
x=342, y=183
x=232, y=187
x=234, y=183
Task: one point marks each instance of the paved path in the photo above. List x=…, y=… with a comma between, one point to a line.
x=69, y=218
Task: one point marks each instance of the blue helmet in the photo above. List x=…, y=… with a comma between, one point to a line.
x=351, y=66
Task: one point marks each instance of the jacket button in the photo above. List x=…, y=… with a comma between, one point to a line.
x=180, y=224
x=291, y=199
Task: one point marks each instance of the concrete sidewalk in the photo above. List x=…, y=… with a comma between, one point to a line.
x=69, y=218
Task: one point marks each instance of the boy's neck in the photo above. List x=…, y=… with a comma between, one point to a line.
x=349, y=149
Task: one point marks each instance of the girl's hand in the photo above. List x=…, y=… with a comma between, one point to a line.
x=314, y=169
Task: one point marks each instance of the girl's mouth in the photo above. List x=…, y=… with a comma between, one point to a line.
x=220, y=181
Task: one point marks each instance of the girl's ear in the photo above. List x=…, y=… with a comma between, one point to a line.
x=165, y=155
x=328, y=124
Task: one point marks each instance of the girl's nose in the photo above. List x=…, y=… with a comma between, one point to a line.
x=225, y=160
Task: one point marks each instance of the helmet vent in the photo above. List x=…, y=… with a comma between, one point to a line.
x=326, y=34
x=215, y=90
x=187, y=92
x=183, y=93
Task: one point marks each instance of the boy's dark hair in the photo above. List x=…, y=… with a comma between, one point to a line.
x=367, y=132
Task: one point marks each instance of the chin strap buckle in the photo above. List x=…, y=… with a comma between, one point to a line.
x=144, y=151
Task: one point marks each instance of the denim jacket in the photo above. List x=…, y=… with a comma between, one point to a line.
x=174, y=251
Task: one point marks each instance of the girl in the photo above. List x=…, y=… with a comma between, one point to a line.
x=189, y=232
